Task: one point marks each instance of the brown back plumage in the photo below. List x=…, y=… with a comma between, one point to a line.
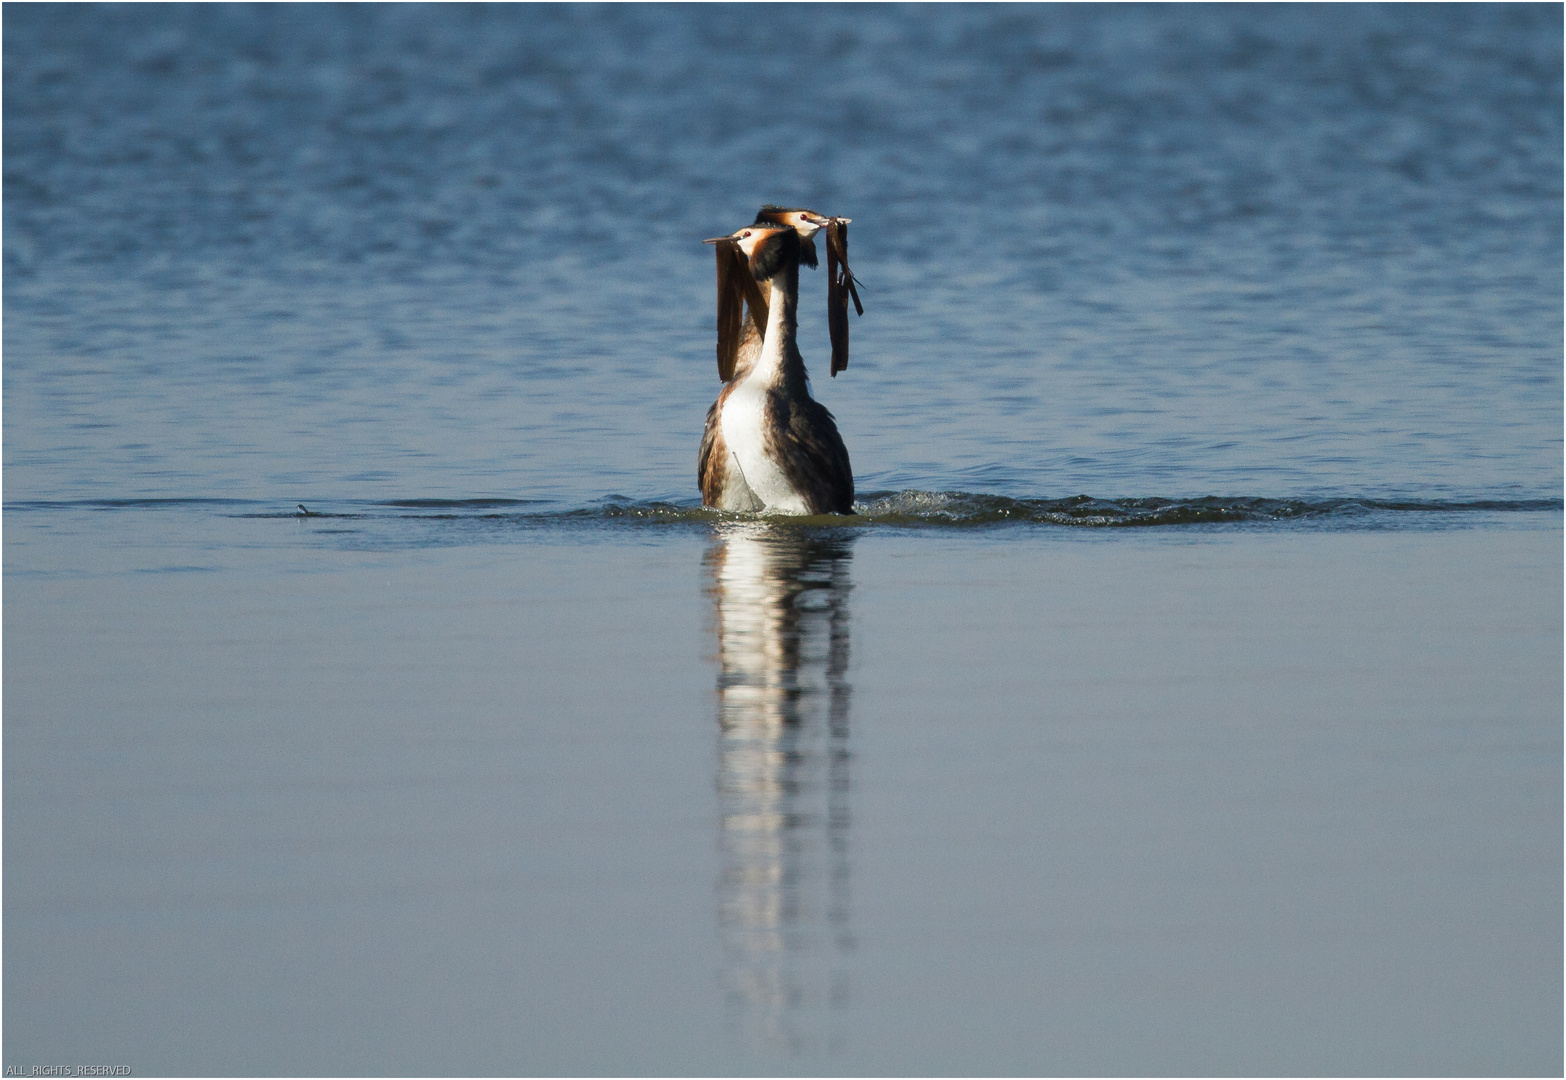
x=812, y=453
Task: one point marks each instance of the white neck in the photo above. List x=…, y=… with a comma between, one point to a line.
x=779, y=354
x=769, y=365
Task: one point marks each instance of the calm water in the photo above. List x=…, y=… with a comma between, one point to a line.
x=509, y=759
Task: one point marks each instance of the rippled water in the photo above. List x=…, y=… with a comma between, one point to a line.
x=301, y=253
x=1183, y=697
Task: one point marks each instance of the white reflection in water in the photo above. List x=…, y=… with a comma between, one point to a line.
x=783, y=784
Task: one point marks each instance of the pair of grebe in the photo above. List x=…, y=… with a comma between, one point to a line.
x=769, y=446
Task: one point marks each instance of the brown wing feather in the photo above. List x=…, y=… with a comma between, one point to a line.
x=737, y=288
x=837, y=301
x=712, y=458
x=731, y=307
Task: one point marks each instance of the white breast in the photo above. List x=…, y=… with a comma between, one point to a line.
x=744, y=419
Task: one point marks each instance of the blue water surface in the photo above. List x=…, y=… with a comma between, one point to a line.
x=298, y=252
x=1184, y=697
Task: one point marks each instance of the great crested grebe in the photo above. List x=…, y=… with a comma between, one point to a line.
x=841, y=283
x=768, y=445
x=739, y=339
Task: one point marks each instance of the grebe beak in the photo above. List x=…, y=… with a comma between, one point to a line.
x=718, y=240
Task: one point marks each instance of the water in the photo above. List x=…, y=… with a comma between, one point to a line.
x=507, y=757
x=398, y=253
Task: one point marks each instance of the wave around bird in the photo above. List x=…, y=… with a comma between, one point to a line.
x=883, y=509
x=958, y=508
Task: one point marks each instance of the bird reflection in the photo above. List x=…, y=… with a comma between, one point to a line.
x=783, y=783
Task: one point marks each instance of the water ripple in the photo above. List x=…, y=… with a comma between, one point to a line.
x=882, y=509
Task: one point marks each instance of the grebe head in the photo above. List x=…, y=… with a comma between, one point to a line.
x=767, y=246
x=805, y=222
